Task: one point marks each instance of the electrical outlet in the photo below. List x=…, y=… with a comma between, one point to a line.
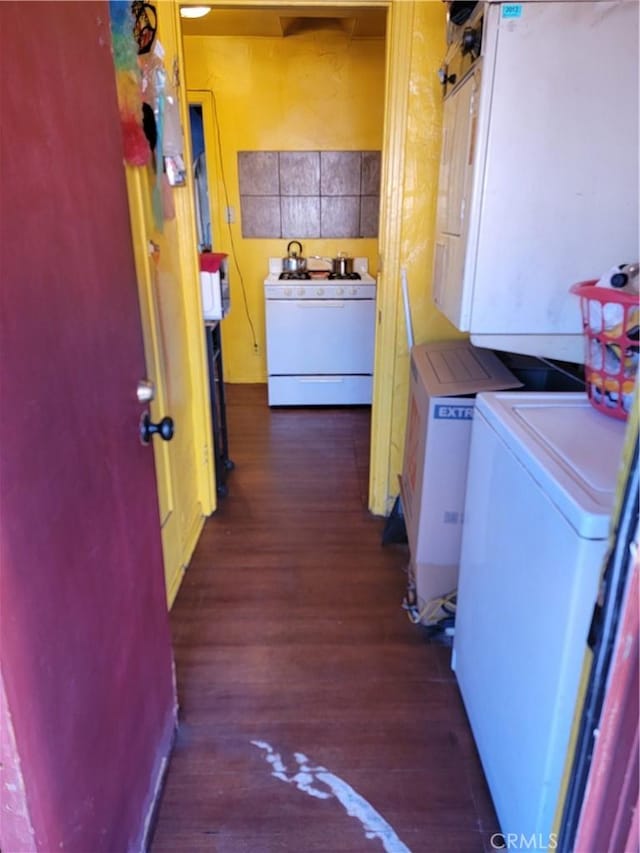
x=230, y=214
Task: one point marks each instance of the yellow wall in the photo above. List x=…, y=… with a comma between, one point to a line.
x=313, y=91
x=419, y=197
x=411, y=153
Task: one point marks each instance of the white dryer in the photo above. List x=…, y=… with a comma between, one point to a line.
x=540, y=491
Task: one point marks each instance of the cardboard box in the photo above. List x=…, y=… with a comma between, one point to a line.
x=445, y=377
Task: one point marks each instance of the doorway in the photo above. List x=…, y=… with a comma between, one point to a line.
x=411, y=116
x=200, y=181
x=355, y=34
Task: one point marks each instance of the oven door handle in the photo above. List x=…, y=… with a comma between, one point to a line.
x=321, y=303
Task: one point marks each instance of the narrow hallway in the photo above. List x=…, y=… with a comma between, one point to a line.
x=295, y=659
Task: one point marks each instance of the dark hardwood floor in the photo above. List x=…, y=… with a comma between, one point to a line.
x=312, y=712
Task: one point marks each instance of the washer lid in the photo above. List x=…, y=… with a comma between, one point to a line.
x=568, y=447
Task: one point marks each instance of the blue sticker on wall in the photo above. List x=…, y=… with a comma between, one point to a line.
x=512, y=10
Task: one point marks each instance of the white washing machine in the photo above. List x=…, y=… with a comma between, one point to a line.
x=540, y=491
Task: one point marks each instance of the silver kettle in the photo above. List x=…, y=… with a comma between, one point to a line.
x=294, y=262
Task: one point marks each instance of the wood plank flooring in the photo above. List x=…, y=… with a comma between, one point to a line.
x=292, y=651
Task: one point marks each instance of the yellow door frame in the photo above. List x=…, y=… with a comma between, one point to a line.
x=400, y=16
x=190, y=273
x=383, y=414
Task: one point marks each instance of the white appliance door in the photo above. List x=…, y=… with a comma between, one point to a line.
x=460, y=112
x=560, y=189
x=320, y=336
x=526, y=592
x=456, y=176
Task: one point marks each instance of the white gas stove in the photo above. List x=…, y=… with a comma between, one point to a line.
x=320, y=336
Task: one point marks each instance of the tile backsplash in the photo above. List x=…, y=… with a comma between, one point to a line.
x=317, y=194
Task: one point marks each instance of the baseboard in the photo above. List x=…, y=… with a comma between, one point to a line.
x=192, y=537
x=190, y=546
x=157, y=782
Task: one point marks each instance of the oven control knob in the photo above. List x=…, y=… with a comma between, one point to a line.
x=301, y=291
x=287, y=291
x=320, y=291
x=340, y=291
x=354, y=291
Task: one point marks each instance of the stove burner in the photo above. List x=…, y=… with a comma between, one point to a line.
x=350, y=276
x=294, y=276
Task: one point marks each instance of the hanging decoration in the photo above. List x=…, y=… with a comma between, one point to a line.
x=148, y=101
x=157, y=196
x=125, y=57
x=145, y=26
x=161, y=89
x=174, y=164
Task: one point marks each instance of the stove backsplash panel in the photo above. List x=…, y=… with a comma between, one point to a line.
x=260, y=172
x=261, y=214
x=300, y=214
x=340, y=216
x=298, y=173
x=310, y=194
x=340, y=173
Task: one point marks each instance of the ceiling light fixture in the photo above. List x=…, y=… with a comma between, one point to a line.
x=194, y=11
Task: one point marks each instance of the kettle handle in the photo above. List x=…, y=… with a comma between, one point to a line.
x=294, y=242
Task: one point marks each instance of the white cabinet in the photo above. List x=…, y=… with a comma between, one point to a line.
x=539, y=179
x=459, y=121
x=454, y=189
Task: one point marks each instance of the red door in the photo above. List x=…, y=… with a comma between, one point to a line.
x=85, y=650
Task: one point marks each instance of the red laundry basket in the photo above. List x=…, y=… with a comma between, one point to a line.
x=611, y=320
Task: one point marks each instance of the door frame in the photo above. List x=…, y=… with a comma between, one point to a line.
x=204, y=99
x=187, y=246
x=385, y=408
x=384, y=413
